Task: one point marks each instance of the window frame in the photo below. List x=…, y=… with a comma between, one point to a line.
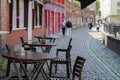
x=38, y=12
x=15, y=13
x=118, y=4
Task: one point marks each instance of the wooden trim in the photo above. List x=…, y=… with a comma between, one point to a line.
x=35, y=15
x=33, y=18
x=26, y=13
x=11, y=15
x=40, y=16
x=17, y=9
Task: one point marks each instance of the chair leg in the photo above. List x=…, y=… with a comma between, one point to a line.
x=50, y=71
x=68, y=71
x=70, y=65
x=8, y=68
x=45, y=75
x=56, y=68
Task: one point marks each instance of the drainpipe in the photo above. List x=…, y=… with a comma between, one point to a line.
x=30, y=21
x=0, y=14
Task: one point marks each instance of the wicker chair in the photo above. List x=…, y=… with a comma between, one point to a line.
x=77, y=70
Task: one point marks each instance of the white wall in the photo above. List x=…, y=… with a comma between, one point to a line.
x=108, y=7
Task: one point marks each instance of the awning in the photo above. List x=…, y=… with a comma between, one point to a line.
x=85, y=3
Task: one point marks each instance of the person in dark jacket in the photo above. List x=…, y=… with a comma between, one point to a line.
x=69, y=26
x=63, y=27
x=90, y=25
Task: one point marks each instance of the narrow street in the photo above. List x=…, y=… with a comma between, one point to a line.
x=101, y=63
x=27, y=29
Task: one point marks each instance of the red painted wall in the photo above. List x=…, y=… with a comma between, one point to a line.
x=14, y=37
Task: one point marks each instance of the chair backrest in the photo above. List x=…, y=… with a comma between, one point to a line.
x=69, y=42
x=68, y=51
x=22, y=40
x=77, y=68
x=9, y=48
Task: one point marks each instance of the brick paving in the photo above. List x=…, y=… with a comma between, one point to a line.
x=101, y=63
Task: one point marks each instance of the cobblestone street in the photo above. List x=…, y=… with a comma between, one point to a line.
x=101, y=63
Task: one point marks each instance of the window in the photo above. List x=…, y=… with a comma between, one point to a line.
x=37, y=15
x=118, y=4
x=18, y=14
x=118, y=11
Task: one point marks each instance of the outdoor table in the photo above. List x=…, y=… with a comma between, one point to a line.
x=50, y=37
x=47, y=45
x=33, y=57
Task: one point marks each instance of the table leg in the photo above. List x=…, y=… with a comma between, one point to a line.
x=50, y=40
x=17, y=70
x=36, y=72
x=53, y=40
x=8, y=67
x=47, y=49
x=25, y=71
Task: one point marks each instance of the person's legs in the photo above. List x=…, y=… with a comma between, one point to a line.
x=67, y=32
x=70, y=32
x=63, y=30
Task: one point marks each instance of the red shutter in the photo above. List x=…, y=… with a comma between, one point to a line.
x=48, y=22
x=62, y=16
x=45, y=20
x=63, y=1
x=52, y=26
x=59, y=22
x=58, y=1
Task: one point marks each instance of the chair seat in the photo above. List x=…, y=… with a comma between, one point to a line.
x=28, y=48
x=60, y=78
x=5, y=78
x=59, y=61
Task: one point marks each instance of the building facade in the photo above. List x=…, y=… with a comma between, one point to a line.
x=73, y=13
x=110, y=10
x=22, y=18
x=29, y=18
x=54, y=13
x=88, y=13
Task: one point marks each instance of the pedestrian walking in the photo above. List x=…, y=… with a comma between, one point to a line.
x=63, y=27
x=69, y=26
x=90, y=25
x=97, y=27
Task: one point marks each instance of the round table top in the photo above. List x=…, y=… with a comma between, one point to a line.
x=29, y=56
x=40, y=44
x=48, y=37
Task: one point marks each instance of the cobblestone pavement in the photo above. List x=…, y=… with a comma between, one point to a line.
x=101, y=63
